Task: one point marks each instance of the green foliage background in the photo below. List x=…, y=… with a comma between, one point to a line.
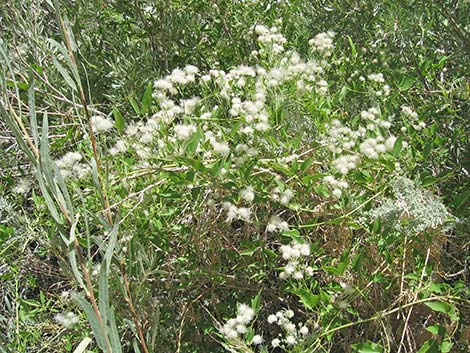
x=181, y=264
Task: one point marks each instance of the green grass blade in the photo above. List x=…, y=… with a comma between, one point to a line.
x=83, y=345
x=100, y=336
x=73, y=256
x=11, y=123
x=113, y=332
x=65, y=75
x=32, y=111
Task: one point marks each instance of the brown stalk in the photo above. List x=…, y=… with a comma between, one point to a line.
x=83, y=100
x=25, y=134
x=90, y=294
x=132, y=309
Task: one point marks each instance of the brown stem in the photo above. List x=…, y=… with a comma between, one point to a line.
x=132, y=309
x=90, y=294
x=68, y=43
x=25, y=133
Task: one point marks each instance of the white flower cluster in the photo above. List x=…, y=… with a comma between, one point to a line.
x=70, y=167
x=243, y=152
x=183, y=131
x=296, y=254
x=67, y=319
x=189, y=105
x=177, y=77
x=368, y=140
x=343, y=164
x=247, y=194
x=375, y=146
x=101, y=124
x=371, y=118
x=252, y=113
x=270, y=37
x=410, y=113
x=220, y=147
x=305, y=74
x=323, y=42
x=340, y=137
x=233, y=328
x=119, y=147
x=293, y=333
x=234, y=212
x=248, y=109
x=277, y=224
x=283, y=197
x=337, y=185
x=379, y=77
x=22, y=186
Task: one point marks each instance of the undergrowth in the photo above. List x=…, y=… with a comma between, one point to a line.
x=241, y=176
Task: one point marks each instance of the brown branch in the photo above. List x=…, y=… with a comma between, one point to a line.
x=68, y=42
x=132, y=309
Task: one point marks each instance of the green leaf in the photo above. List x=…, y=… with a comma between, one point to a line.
x=436, y=330
x=308, y=179
x=147, y=99
x=430, y=346
x=136, y=346
x=308, y=299
x=119, y=120
x=322, y=190
x=358, y=261
x=193, y=142
x=446, y=346
x=114, y=337
x=441, y=307
x=13, y=125
x=428, y=180
x=100, y=336
x=412, y=276
x=5, y=232
x=294, y=234
x=459, y=200
x=398, y=145
x=367, y=347
x=339, y=270
x=32, y=112
x=48, y=199
x=307, y=163
x=193, y=163
x=435, y=287
x=69, y=61
x=134, y=105
x=427, y=150
x=353, y=47
x=103, y=293
x=62, y=193
x=406, y=83
x=256, y=302
x=73, y=257
x=65, y=75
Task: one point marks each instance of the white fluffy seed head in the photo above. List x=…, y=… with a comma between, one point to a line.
x=257, y=339
x=272, y=318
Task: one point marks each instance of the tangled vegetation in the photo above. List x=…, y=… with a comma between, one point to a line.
x=242, y=176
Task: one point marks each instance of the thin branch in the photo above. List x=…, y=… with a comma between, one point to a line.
x=132, y=309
